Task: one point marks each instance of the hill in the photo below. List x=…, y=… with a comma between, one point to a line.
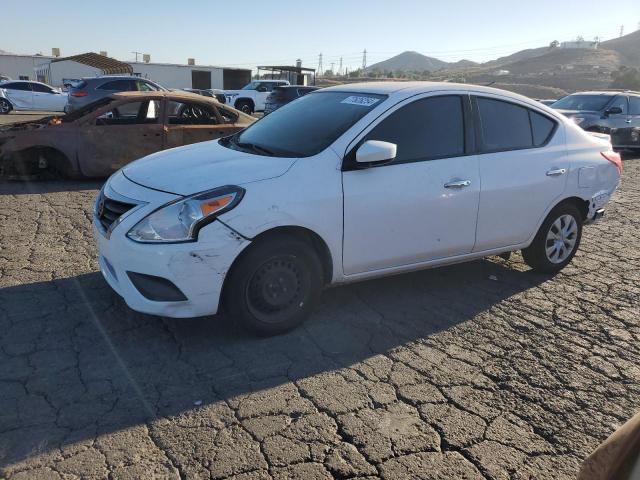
x=409, y=62
x=628, y=47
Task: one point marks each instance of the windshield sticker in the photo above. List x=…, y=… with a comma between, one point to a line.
x=362, y=101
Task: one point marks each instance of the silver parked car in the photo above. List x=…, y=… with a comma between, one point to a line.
x=88, y=90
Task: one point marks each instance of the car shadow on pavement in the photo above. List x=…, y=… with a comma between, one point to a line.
x=17, y=187
x=76, y=362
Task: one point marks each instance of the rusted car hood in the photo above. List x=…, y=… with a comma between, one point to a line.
x=203, y=166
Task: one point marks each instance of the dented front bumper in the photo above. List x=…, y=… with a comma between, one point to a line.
x=179, y=280
x=197, y=270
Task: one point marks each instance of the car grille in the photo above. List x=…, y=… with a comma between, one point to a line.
x=109, y=210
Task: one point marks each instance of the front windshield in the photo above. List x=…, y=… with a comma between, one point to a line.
x=307, y=125
x=251, y=86
x=582, y=102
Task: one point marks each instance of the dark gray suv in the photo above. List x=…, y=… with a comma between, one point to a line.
x=88, y=90
x=616, y=113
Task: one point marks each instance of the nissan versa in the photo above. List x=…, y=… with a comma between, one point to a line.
x=345, y=184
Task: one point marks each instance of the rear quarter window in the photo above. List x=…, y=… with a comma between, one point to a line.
x=542, y=128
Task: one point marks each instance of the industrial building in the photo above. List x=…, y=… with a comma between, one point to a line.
x=55, y=70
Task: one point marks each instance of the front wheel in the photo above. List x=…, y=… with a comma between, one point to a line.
x=5, y=106
x=557, y=240
x=274, y=286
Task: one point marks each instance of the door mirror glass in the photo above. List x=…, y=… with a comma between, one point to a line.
x=376, y=151
x=613, y=111
x=262, y=88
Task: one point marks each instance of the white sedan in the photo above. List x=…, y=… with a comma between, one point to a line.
x=345, y=184
x=27, y=95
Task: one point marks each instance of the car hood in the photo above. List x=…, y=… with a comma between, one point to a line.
x=203, y=166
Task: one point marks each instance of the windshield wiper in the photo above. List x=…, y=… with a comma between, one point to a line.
x=260, y=150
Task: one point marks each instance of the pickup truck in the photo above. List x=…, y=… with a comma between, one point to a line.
x=252, y=96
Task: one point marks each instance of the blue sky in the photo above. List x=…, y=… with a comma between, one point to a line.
x=245, y=33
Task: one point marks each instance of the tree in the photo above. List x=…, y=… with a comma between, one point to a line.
x=554, y=44
x=626, y=77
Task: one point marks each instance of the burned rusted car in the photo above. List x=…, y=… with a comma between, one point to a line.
x=106, y=135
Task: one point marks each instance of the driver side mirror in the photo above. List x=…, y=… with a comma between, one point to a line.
x=262, y=88
x=613, y=111
x=374, y=152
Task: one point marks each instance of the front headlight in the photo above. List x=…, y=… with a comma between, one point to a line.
x=181, y=220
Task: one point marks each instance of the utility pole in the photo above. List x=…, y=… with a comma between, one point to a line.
x=621, y=30
x=320, y=65
x=340, y=67
x=137, y=53
x=332, y=64
x=364, y=59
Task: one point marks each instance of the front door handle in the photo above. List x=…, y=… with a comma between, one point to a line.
x=458, y=184
x=556, y=172
x=627, y=121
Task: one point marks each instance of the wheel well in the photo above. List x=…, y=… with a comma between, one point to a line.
x=27, y=161
x=309, y=236
x=580, y=204
x=246, y=100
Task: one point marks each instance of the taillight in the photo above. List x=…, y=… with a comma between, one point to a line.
x=613, y=157
x=79, y=93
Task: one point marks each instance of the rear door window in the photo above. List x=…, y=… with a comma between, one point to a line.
x=634, y=105
x=143, y=86
x=132, y=113
x=119, y=86
x=38, y=87
x=191, y=113
x=504, y=126
x=425, y=129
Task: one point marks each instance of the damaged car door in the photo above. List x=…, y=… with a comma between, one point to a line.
x=118, y=134
x=192, y=122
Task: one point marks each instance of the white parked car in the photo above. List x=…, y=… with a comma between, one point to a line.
x=251, y=97
x=27, y=95
x=349, y=183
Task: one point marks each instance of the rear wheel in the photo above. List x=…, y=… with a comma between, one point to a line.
x=245, y=107
x=274, y=286
x=557, y=240
x=5, y=106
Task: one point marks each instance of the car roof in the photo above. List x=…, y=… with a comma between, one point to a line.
x=408, y=89
x=114, y=77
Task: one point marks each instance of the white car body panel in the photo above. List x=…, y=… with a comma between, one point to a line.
x=20, y=99
x=33, y=100
x=49, y=102
x=258, y=98
x=374, y=222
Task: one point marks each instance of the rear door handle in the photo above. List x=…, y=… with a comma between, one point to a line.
x=458, y=184
x=556, y=172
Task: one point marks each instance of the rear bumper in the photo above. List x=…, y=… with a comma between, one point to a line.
x=597, y=215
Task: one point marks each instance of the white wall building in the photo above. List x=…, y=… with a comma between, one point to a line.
x=54, y=71
x=21, y=67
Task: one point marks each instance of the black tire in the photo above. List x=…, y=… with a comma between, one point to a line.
x=274, y=286
x=5, y=106
x=563, y=248
x=244, y=107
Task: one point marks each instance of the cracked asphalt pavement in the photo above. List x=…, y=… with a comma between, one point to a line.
x=481, y=370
